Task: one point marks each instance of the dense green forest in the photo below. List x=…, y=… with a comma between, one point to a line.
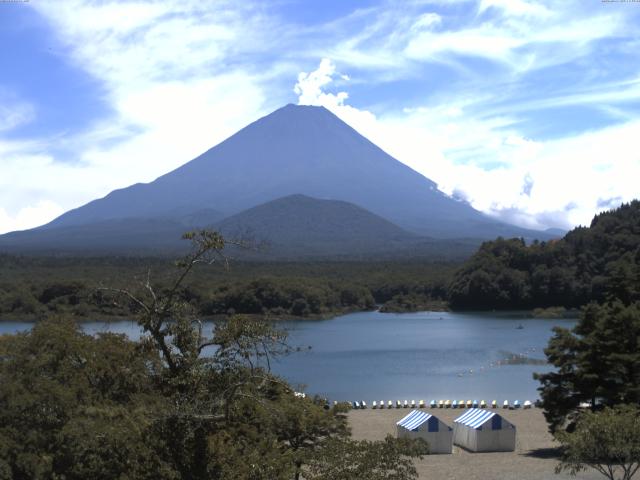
x=598, y=263
x=589, y=264
x=31, y=287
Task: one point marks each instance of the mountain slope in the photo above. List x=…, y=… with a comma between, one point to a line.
x=131, y=235
x=298, y=149
x=294, y=227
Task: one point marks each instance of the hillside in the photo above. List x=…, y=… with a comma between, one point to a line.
x=298, y=226
x=130, y=236
x=294, y=227
x=589, y=264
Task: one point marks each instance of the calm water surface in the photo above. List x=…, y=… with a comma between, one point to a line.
x=385, y=356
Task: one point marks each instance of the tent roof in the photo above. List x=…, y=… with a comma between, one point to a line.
x=414, y=420
x=475, y=418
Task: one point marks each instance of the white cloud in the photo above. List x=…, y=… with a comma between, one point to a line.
x=536, y=183
x=167, y=72
x=521, y=44
x=426, y=21
x=13, y=112
x=181, y=75
x=519, y=35
x=309, y=86
x=517, y=8
x=28, y=216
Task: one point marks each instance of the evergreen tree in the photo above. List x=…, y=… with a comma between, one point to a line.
x=597, y=362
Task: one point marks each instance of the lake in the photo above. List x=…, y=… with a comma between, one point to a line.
x=388, y=356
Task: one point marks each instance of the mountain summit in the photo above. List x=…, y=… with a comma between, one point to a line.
x=301, y=179
x=296, y=150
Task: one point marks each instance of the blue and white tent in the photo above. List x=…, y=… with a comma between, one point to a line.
x=480, y=430
x=420, y=424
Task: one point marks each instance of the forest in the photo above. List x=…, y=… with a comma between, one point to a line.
x=597, y=263
x=32, y=287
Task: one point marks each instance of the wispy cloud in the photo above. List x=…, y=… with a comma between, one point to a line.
x=534, y=183
x=14, y=112
x=169, y=74
x=449, y=87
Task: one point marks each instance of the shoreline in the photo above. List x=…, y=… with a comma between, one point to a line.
x=527, y=314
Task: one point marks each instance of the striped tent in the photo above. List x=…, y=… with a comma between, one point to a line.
x=420, y=424
x=480, y=430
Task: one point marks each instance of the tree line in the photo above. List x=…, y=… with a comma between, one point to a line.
x=598, y=263
x=31, y=287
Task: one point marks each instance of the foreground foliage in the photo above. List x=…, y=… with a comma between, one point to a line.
x=350, y=460
x=180, y=403
x=597, y=362
x=607, y=441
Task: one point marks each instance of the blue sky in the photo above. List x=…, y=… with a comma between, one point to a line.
x=530, y=110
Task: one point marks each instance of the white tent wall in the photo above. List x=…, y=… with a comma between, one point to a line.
x=439, y=442
x=494, y=435
x=440, y=438
x=465, y=437
x=496, y=440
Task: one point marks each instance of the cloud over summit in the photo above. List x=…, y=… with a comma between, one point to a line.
x=522, y=107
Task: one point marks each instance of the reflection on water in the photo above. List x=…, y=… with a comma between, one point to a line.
x=388, y=356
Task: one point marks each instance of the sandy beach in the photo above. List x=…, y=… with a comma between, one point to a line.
x=534, y=458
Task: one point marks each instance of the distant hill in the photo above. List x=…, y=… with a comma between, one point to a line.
x=298, y=149
x=598, y=263
x=298, y=223
x=300, y=226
